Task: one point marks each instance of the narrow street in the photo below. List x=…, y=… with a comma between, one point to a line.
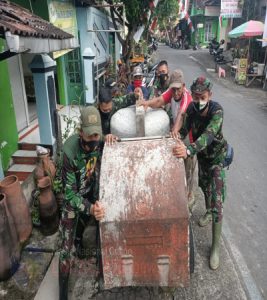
x=245, y=126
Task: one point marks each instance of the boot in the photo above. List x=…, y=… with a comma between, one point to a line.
x=206, y=219
x=63, y=285
x=215, y=248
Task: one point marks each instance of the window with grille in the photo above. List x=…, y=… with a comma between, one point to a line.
x=74, y=68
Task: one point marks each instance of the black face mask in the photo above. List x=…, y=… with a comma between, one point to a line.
x=163, y=78
x=105, y=115
x=92, y=145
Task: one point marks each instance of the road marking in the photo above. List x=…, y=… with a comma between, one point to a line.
x=193, y=58
x=249, y=282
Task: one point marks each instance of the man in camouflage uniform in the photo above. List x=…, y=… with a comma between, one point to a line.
x=108, y=106
x=162, y=80
x=205, y=118
x=80, y=174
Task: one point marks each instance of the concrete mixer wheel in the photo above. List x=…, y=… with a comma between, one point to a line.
x=191, y=250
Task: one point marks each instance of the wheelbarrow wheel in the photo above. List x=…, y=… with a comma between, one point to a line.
x=191, y=250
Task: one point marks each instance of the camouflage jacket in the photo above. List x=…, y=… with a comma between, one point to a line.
x=157, y=89
x=118, y=103
x=209, y=143
x=80, y=174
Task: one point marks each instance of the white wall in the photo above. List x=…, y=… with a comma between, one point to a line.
x=18, y=91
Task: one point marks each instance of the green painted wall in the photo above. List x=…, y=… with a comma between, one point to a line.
x=199, y=32
x=195, y=11
x=215, y=28
x=38, y=7
x=8, y=132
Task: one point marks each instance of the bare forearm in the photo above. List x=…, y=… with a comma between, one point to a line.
x=156, y=102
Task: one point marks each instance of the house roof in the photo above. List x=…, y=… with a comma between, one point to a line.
x=20, y=21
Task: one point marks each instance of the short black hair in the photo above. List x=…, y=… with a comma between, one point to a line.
x=105, y=95
x=162, y=63
x=110, y=83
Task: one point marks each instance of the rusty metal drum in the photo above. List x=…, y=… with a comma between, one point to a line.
x=145, y=233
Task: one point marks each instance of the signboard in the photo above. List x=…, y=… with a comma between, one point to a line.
x=231, y=8
x=241, y=74
x=62, y=14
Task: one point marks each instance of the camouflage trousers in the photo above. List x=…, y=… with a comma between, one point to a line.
x=67, y=230
x=190, y=167
x=213, y=185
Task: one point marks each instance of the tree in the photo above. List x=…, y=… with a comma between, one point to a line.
x=166, y=11
x=137, y=14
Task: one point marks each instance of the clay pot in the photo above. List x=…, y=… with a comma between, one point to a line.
x=59, y=199
x=17, y=206
x=48, y=207
x=45, y=167
x=9, y=243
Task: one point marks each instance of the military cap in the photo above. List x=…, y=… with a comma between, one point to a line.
x=91, y=121
x=200, y=85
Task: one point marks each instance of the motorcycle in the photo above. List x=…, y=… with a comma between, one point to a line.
x=213, y=46
x=151, y=75
x=153, y=46
x=219, y=58
x=176, y=44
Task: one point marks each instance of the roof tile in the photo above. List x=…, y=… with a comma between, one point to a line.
x=18, y=20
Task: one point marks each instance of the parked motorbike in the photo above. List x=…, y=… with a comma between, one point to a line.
x=153, y=46
x=219, y=58
x=151, y=75
x=215, y=47
x=176, y=44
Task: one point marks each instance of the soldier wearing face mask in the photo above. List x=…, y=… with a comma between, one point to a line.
x=137, y=83
x=108, y=105
x=205, y=118
x=80, y=175
x=162, y=81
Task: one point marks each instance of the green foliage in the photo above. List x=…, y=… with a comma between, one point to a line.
x=136, y=11
x=71, y=126
x=166, y=10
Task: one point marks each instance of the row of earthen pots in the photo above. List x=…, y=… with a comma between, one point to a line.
x=15, y=225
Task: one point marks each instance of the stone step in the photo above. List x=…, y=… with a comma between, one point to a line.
x=22, y=171
x=27, y=157
x=27, y=146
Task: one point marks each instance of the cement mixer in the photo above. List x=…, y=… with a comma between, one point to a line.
x=145, y=235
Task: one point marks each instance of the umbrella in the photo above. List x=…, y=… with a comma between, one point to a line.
x=247, y=30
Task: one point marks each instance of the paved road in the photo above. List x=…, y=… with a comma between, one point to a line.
x=245, y=127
